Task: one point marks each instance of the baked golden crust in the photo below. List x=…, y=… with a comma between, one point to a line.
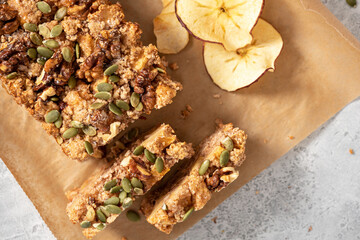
x=105, y=39
x=192, y=190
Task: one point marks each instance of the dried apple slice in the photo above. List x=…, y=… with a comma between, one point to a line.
x=238, y=69
x=220, y=21
x=171, y=37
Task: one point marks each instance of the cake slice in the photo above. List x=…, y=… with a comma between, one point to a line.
x=101, y=199
x=212, y=170
x=80, y=68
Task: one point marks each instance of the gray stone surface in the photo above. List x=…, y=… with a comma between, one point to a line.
x=315, y=185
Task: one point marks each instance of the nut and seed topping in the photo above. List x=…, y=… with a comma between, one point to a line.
x=164, y=207
x=32, y=53
x=132, y=134
x=77, y=51
x=204, y=167
x=36, y=38
x=51, y=43
x=150, y=156
x=101, y=216
x=52, y=116
x=133, y=216
x=103, y=95
x=45, y=52
x=31, y=27
x=70, y=133
x=12, y=75
x=114, y=78
x=60, y=14
x=72, y=82
x=122, y=196
x=113, y=209
x=104, y=87
x=85, y=224
x=126, y=185
x=97, y=105
x=224, y=158
x=228, y=144
x=139, y=107
x=76, y=124
x=136, y=183
x=43, y=7
x=187, y=214
x=111, y=70
x=112, y=201
x=99, y=226
x=41, y=61
x=123, y=105
x=56, y=31
x=104, y=211
x=160, y=70
x=44, y=31
x=58, y=123
x=114, y=109
x=89, y=148
x=127, y=202
x=134, y=99
x=108, y=185
x=116, y=189
x=138, y=191
x=89, y=130
x=54, y=99
x=138, y=150
x=67, y=54
x=159, y=164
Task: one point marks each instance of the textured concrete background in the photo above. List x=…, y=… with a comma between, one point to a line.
x=311, y=193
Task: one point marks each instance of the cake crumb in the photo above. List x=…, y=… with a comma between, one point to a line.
x=310, y=229
x=186, y=112
x=214, y=219
x=174, y=66
x=216, y=96
x=291, y=137
x=351, y=151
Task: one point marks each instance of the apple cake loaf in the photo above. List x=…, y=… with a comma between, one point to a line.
x=212, y=170
x=80, y=68
x=101, y=199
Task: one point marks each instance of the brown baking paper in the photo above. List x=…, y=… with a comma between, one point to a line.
x=316, y=76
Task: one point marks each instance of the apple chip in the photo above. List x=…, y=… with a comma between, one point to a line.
x=238, y=69
x=220, y=21
x=171, y=37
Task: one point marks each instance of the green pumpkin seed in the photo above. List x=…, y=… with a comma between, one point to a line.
x=45, y=52
x=122, y=196
x=164, y=207
x=136, y=183
x=116, y=189
x=139, y=107
x=72, y=82
x=104, y=211
x=32, y=53
x=58, y=123
x=103, y=95
x=44, y=31
x=224, y=158
x=101, y=216
x=204, y=167
x=89, y=148
x=43, y=7
x=351, y=3
x=110, y=70
x=133, y=216
x=104, y=87
x=123, y=105
x=228, y=144
x=99, y=226
x=70, y=133
x=113, y=108
x=159, y=164
x=126, y=185
x=138, y=191
x=112, y=201
x=85, y=224
x=113, y=209
x=127, y=202
x=51, y=43
x=120, y=145
x=114, y=78
x=41, y=61
x=89, y=130
x=138, y=150
x=108, y=185
x=56, y=31
x=187, y=214
x=160, y=70
x=77, y=51
x=52, y=116
x=76, y=124
x=54, y=99
x=36, y=39
x=134, y=99
x=97, y=105
x=12, y=75
x=90, y=214
x=132, y=134
x=60, y=14
x=30, y=27
x=150, y=156
x=67, y=54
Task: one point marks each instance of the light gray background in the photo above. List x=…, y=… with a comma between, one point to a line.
x=316, y=185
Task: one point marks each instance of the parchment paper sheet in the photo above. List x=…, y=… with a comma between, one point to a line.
x=317, y=74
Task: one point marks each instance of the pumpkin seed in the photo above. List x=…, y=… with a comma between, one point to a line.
x=41, y=61
x=120, y=145
x=134, y=99
x=52, y=116
x=127, y=202
x=204, y=167
x=103, y=95
x=108, y=185
x=160, y=70
x=104, y=211
x=224, y=158
x=89, y=130
x=126, y=185
x=123, y=105
x=51, y=43
x=133, y=216
x=89, y=148
x=351, y=3
x=12, y=75
x=43, y=7
x=164, y=207
x=77, y=51
x=159, y=164
x=133, y=133
x=116, y=189
x=138, y=150
x=139, y=107
x=97, y=105
x=44, y=31
x=58, y=123
x=45, y=52
x=101, y=216
x=113, y=108
x=60, y=13
x=104, y=87
x=99, y=226
x=72, y=82
x=150, y=156
x=138, y=191
x=228, y=143
x=32, y=53
x=136, y=183
x=90, y=214
x=114, y=78
x=76, y=124
x=112, y=201
x=122, y=196
x=187, y=214
x=110, y=70
x=30, y=27
x=70, y=133
x=56, y=31
x=85, y=224
x=54, y=99
x=113, y=209
x=59, y=140
x=36, y=38
x=67, y=54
